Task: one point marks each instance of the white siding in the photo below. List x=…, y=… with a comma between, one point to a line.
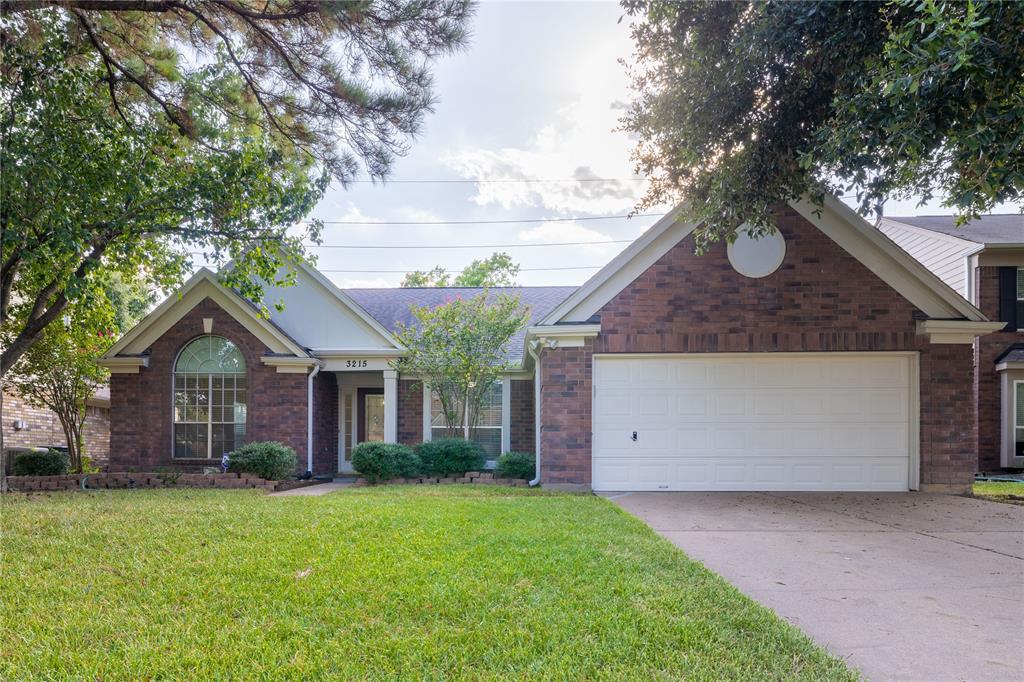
x=942, y=254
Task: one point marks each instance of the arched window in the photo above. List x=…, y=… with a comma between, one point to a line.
x=209, y=399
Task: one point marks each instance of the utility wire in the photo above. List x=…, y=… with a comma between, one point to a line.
x=453, y=181
x=466, y=246
x=453, y=272
x=488, y=222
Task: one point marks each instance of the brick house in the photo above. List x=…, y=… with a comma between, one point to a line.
x=28, y=426
x=984, y=262
x=821, y=357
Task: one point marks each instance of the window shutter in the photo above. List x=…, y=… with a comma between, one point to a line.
x=1008, y=296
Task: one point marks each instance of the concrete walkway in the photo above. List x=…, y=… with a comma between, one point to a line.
x=902, y=585
x=313, y=490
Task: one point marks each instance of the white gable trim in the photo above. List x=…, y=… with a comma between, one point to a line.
x=201, y=285
x=838, y=221
x=623, y=269
x=349, y=303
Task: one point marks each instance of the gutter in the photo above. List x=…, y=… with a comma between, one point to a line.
x=309, y=420
x=531, y=348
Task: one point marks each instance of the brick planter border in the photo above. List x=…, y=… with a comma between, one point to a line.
x=126, y=480
x=475, y=477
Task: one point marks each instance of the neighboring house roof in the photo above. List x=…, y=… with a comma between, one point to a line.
x=835, y=219
x=393, y=307
x=1004, y=228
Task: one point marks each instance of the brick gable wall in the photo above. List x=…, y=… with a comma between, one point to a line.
x=140, y=420
x=820, y=299
x=986, y=378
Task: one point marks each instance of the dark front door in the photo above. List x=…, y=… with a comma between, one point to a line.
x=371, y=415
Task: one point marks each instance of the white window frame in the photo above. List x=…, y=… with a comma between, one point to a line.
x=1014, y=425
x=506, y=414
x=209, y=407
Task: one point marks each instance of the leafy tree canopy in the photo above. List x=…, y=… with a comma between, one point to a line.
x=344, y=82
x=497, y=270
x=741, y=105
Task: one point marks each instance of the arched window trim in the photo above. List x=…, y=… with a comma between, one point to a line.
x=209, y=407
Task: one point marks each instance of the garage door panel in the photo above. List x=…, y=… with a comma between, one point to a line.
x=760, y=421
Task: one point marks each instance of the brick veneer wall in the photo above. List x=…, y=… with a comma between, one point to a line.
x=521, y=417
x=820, y=299
x=986, y=378
x=140, y=404
x=325, y=423
x=410, y=411
x=42, y=428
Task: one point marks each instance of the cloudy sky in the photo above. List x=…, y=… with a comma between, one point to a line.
x=535, y=96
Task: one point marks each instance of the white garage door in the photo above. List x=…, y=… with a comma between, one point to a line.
x=754, y=421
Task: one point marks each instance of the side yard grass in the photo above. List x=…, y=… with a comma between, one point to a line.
x=394, y=583
x=1000, y=491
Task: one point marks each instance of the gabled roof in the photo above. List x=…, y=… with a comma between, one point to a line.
x=837, y=220
x=203, y=284
x=393, y=307
x=1002, y=228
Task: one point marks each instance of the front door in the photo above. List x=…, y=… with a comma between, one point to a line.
x=371, y=417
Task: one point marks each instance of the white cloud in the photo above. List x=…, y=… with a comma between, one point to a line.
x=354, y=283
x=579, y=144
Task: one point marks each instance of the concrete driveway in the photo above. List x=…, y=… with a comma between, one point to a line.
x=901, y=585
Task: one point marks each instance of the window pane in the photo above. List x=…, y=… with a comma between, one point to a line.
x=1020, y=284
x=489, y=440
x=1019, y=404
x=210, y=355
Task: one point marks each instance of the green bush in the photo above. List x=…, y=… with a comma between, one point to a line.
x=380, y=461
x=41, y=463
x=516, y=465
x=446, y=456
x=267, y=459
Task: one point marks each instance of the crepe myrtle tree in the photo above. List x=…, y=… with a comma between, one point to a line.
x=458, y=349
x=742, y=105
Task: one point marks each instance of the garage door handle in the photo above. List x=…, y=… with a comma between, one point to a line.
x=634, y=436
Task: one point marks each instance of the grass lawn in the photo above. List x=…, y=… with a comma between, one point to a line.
x=393, y=582
x=1000, y=491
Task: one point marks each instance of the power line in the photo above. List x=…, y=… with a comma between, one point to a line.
x=578, y=267
x=467, y=246
x=453, y=181
x=489, y=222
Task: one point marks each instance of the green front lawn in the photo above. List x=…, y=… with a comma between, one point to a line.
x=1000, y=491
x=394, y=582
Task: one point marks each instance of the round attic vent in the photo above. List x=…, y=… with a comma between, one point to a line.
x=756, y=257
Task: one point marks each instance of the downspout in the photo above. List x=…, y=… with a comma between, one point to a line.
x=309, y=421
x=532, y=349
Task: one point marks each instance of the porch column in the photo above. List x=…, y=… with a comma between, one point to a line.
x=390, y=406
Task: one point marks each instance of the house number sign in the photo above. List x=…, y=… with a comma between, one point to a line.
x=353, y=364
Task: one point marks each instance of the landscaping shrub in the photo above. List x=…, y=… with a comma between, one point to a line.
x=446, y=456
x=41, y=463
x=516, y=465
x=267, y=459
x=380, y=461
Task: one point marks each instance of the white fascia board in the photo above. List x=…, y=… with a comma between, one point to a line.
x=956, y=331
x=561, y=335
x=360, y=352
x=124, y=365
x=203, y=284
x=289, y=365
x=347, y=301
x=887, y=260
x=623, y=269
